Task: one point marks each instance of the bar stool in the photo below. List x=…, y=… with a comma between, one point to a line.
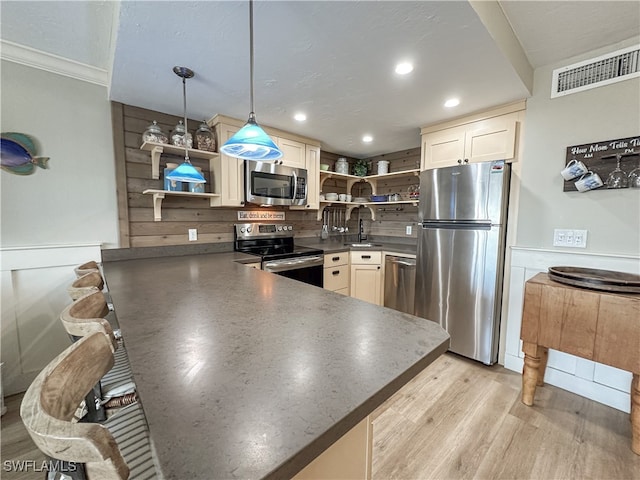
x=86, y=316
x=87, y=267
x=119, y=449
x=87, y=283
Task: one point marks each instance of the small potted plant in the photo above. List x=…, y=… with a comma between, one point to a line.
x=360, y=167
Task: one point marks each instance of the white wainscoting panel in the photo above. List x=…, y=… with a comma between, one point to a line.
x=34, y=292
x=596, y=381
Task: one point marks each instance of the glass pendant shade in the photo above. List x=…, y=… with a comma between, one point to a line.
x=251, y=143
x=186, y=172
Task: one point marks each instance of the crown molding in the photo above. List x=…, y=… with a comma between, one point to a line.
x=14, y=52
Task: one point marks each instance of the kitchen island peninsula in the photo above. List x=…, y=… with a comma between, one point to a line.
x=247, y=374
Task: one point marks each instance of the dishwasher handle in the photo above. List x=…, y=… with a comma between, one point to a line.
x=407, y=262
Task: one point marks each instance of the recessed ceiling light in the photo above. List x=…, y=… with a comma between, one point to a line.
x=404, y=68
x=367, y=138
x=301, y=117
x=452, y=102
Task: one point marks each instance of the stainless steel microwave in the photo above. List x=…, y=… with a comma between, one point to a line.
x=267, y=183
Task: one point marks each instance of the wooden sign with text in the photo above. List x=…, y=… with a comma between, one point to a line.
x=600, y=158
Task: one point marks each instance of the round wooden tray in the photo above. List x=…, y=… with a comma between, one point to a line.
x=606, y=280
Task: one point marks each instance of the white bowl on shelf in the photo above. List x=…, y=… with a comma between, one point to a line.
x=331, y=197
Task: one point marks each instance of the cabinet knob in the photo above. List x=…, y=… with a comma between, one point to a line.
x=459, y=161
x=466, y=160
x=335, y=272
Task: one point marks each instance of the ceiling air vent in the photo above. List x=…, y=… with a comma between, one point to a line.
x=596, y=72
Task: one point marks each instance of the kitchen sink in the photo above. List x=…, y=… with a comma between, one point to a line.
x=363, y=245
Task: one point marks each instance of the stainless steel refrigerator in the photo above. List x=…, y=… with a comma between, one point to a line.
x=460, y=259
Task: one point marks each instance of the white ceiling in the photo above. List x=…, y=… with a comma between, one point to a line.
x=331, y=60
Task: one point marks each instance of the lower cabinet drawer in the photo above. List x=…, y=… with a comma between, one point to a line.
x=336, y=278
x=366, y=258
x=333, y=259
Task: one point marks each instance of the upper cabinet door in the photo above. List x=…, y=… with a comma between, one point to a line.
x=293, y=153
x=228, y=175
x=480, y=141
x=495, y=140
x=442, y=149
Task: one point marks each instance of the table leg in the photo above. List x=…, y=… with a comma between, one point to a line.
x=543, y=354
x=635, y=414
x=532, y=375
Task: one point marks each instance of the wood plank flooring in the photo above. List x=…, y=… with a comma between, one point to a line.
x=459, y=419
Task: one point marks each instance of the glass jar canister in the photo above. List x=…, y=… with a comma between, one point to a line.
x=178, y=134
x=205, y=138
x=154, y=133
x=342, y=166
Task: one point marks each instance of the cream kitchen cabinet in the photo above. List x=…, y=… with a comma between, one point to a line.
x=293, y=152
x=366, y=276
x=228, y=179
x=336, y=272
x=492, y=135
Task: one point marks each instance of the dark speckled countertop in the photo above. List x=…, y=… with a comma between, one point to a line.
x=247, y=374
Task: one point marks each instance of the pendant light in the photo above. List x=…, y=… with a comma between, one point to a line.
x=185, y=172
x=251, y=142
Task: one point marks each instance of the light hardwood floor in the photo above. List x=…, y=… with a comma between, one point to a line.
x=459, y=419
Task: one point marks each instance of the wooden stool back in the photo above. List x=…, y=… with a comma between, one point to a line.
x=86, y=268
x=87, y=283
x=49, y=405
x=86, y=316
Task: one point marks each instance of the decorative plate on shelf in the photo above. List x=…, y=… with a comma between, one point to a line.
x=606, y=280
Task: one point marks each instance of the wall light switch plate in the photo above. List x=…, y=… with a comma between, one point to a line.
x=408, y=230
x=193, y=234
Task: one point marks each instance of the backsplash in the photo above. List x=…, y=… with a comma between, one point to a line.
x=214, y=225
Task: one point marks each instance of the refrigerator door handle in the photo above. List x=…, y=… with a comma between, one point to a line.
x=477, y=224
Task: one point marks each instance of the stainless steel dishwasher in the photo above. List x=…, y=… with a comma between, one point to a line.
x=399, y=283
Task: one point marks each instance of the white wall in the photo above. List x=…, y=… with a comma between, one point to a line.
x=75, y=200
x=612, y=217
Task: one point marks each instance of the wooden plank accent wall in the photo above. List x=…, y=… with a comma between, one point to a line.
x=214, y=225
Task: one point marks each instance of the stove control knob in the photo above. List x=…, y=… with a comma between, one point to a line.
x=248, y=229
x=242, y=229
x=290, y=227
x=279, y=228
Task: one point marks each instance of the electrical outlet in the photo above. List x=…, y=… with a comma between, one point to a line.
x=570, y=238
x=408, y=230
x=193, y=234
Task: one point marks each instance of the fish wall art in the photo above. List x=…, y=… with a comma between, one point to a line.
x=18, y=154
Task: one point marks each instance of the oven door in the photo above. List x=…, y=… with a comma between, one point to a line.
x=307, y=269
x=272, y=184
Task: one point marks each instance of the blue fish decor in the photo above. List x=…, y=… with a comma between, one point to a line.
x=18, y=154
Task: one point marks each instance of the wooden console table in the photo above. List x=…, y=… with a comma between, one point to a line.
x=599, y=326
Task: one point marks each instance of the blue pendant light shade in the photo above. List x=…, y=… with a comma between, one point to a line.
x=185, y=172
x=251, y=142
